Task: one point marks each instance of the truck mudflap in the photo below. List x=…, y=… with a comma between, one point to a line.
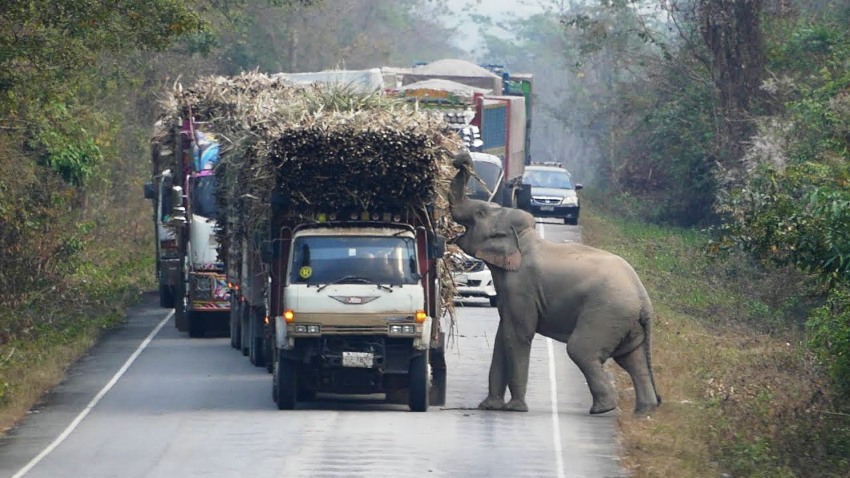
x=439, y=371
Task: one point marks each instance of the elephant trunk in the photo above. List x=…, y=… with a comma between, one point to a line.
x=461, y=208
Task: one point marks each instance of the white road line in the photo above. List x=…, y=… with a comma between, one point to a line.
x=553, y=397
x=94, y=401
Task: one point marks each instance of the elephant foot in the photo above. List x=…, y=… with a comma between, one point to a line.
x=491, y=403
x=603, y=406
x=642, y=410
x=516, y=405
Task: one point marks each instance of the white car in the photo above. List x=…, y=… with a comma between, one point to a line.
x=472, y=278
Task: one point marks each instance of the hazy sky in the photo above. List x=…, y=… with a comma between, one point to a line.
x=498, y=9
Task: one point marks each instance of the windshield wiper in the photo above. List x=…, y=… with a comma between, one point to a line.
x=384, y=287
x=346, y=278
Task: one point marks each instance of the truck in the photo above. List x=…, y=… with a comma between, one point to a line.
x=332, y=230
x=490, y=109
x=193, y=275
x=159, y=192
x=250, y=330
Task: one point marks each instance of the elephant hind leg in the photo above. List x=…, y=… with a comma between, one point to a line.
x=637, y=365
x=590, y=363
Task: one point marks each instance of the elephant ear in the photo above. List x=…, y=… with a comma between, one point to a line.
x=501, y=251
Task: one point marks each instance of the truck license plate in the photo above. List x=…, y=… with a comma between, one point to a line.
x=357, y=359
x=547, y=208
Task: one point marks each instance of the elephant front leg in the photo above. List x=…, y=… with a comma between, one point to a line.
x=518, y=379
x=498, y=375
x=517, y=350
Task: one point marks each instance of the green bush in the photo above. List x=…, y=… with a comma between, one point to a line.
x=829, y=338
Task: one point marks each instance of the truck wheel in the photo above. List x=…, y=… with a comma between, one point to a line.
x=195, y=324
x=255, y=354
x=166, y=296
x=494, y=301
x=418, y=388
x=268, y=355
x=245, y=328
x=235, y=337
x=306, y=395
x=285, y=386
x=180, y=312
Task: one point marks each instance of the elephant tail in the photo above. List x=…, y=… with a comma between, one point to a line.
x=646, y=323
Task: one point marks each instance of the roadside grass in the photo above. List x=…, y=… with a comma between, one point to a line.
x=741, y=394
x=56, y=327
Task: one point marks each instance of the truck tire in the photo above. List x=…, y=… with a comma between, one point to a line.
x=180, y=310
x=418, y=387
x=235, y=337
x=166, y=296
x=255, y=352
x=245, y=327
x=195, y=323
x=285, y=387
x=268, y=354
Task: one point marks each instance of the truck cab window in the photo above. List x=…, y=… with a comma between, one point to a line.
x=203, y=196
x=380, y=260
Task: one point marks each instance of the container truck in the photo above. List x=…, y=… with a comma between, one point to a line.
x=196, y=278
x=486, y=105
x=159, y=192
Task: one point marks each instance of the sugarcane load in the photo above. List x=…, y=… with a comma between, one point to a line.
x=333, y=214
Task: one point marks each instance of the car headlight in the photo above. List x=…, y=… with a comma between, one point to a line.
x=570, y=201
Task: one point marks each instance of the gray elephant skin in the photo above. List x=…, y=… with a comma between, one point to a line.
x=590, y=299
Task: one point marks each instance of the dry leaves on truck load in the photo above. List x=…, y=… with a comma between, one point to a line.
x=322, y=148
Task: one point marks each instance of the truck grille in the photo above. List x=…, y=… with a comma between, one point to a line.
x=354, y=329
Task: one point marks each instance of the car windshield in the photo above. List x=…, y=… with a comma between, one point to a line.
x=354, y=259
x=203, y=197
x=489, y=173
x=548, y=179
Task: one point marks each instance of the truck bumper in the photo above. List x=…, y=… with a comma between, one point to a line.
x=352, y=363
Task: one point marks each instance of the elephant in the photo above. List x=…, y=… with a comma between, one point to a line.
x=588, y=298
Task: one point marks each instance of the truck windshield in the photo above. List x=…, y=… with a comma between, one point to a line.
x=489, y=173
x=203, y=197
x=379, y=260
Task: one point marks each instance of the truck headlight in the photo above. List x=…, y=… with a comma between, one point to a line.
x=402, y=329
x=306, y=329
x=570, y=201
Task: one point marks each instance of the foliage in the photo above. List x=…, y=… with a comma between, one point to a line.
x=829, y=337
x=739, y=400
x=47, y=43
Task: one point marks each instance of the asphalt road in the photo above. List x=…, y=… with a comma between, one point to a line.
x=150, y=402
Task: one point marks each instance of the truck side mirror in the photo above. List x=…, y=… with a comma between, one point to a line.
x=267, y=253
x=579, y=187
x=523, y=197
x=149, y=190
x=438, y=247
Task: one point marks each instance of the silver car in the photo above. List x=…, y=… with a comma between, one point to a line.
x=472, y=278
